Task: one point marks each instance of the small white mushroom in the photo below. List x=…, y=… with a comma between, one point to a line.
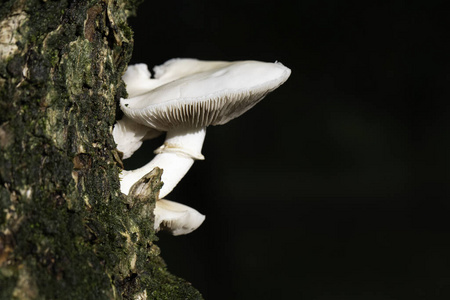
x=190, y=95
x=129, y=136
x=138, y=81
x=176, y=218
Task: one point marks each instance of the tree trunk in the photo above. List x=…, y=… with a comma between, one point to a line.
x=66, y=231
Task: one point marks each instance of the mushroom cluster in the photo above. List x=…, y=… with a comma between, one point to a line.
x=184, y=97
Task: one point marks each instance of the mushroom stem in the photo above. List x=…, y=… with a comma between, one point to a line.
x=176, y=156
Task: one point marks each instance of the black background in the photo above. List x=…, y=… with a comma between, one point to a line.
x=335, y=186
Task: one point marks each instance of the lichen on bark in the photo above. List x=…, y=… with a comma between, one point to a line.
x=66, y=231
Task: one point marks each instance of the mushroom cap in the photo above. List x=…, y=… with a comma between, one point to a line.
x=129, y=135
x=138, y=81
x=138, y=78
x=176, y=218
x=176, y=68
x=215, y=94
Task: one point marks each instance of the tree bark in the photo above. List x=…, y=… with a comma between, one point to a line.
x=66, y=231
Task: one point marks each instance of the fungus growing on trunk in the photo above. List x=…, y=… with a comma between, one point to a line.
x=186, y=96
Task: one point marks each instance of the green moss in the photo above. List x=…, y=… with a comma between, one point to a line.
x=76, y=65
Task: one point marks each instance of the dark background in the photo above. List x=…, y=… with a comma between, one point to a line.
x=336, y=185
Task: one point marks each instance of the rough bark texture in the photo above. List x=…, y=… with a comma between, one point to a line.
x=66, y=231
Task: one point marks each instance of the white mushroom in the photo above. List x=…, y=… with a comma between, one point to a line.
x=128, y=134
x=190, y=95
x=176, y=218
x=138, y=81
x=138, y=78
